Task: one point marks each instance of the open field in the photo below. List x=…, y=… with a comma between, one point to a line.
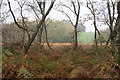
x=65, y=44
x=55, y=45
x=86, y=37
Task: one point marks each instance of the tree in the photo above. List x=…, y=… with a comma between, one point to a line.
x=38, y=13
x=44, y=24
x=92, y=10
x=108, y=17
x=110, y=21
x=42, y=6
x=76, y=12
x=117, y=28
x=37, y=27
x=23, y=26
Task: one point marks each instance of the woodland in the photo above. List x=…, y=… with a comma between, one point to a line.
x=33, y=45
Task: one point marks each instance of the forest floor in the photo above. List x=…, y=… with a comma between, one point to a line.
x=88, y=61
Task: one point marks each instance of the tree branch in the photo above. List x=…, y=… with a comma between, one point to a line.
x=67, y=7
x=15, y=18
x=67, y=17
x=74, y=8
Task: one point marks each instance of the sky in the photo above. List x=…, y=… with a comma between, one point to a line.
x=56, y=15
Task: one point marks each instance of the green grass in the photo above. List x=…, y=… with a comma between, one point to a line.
x=86, y=37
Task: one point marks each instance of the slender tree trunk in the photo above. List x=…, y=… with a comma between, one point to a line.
x=47, y=37
x=110, y=38
x=96, y=30
x=107, y=42
x=40, y=36
x=95, y=36
x=76, y=43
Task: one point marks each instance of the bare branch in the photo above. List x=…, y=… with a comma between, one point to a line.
x=67, y=17
x=78, y=8
x=34, y=11
x=77, y=16
x=89, y=7
x=15, y=18
x=67, y=7
x=74, y=8
x=21, y=11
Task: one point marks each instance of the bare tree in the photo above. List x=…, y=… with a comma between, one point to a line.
x=36, y=12
x=37, y=27
x=92, y=10
x=42, y=6
x=76, y=12
x=23, y=21
x=23, y=26
x=110, y=21
x=117, y=28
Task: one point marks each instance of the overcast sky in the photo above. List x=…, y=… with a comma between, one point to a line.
x=56, y=15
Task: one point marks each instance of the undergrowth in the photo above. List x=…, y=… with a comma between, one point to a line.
x=98, y=63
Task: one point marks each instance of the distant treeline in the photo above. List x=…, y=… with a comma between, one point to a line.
x=57, y=31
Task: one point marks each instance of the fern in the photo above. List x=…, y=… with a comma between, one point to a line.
x=17, y=59
x=4, y=57
x=25, y=73
x=8, y=53
x=93, y=62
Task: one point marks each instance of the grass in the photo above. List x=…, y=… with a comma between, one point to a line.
x=86, y=37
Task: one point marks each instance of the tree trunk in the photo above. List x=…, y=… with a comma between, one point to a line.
x=96, y=30
x=47, y=37
x=95, y=36
x=110, y=38
x=40, y=36
x=117, y=27
x=111, y=19
x=107, y=42
x=76, y=43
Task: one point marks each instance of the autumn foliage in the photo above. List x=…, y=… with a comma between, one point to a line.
x=63, y=62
